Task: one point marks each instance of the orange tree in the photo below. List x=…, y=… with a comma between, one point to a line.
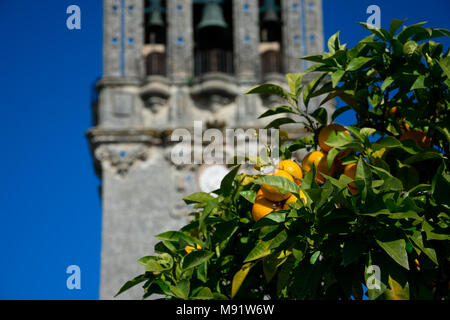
x=371, y=206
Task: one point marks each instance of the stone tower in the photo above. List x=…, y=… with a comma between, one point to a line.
x=161, y=71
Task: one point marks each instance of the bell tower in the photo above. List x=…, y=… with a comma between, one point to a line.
x=166, y=64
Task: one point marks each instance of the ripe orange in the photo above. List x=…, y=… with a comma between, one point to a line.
x=312, y=158
x=323, y=168
x=272, y=193
x=350, y=171
x=325, y=132
x=394, y=111
x=259, y=194
x=418, y=136
x=293, y=169
x=189, y=249
x=263, y=207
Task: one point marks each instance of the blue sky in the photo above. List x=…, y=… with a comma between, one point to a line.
x=50, y=207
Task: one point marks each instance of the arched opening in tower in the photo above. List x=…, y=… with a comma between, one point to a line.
x=270, y=26
x=213, y=36
x=155, y=37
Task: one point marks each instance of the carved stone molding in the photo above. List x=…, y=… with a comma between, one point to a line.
x=121, y=157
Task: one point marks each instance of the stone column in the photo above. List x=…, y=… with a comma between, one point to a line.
x=133, y=34
x=246, y=55
x=180, y=40
x=123, y=39
x=313, y=27
x=246, y=39
x=292, y=36
x=112, y=12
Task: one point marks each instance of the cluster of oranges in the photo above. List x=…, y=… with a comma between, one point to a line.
x=269, y=199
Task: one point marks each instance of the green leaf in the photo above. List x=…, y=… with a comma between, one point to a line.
x=313, y=58
x=363, y=171
x=283, y=184
x=311, y=87
x=427, y=155
x=181, y=290
x=202, y=293
x=380, y=32
x=268, y=89
x=272, y=263
x=337, y=76
x=301, y=143
x=157, y=264
x=277, y=110
x=263, y=247
x=195, y=258
x=332, y=154
x=395, y=24
x=210, y=208
x=396, y=291
x=445, y=66
x=175, y=236
x=333, y=43
x=321, y=115
x=409, y=31
x=419, y=83
x=358, y=63
x=396, y=249
x=202, y=272
x=430, y=252
x=227, y=182
x=295, y=82
x=386, y=83
x=220, y=296
x=249, y=195
x=279, y=122
x=131, y=283
x=198, y=197
x=314, y=257
x=272, y=219
x=239, y=277
x=338, y=139
x=388, y=143
x=259, y=251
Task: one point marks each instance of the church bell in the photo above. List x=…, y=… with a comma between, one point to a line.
x=156, y=19
x=270, y=12
x=212, y=16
